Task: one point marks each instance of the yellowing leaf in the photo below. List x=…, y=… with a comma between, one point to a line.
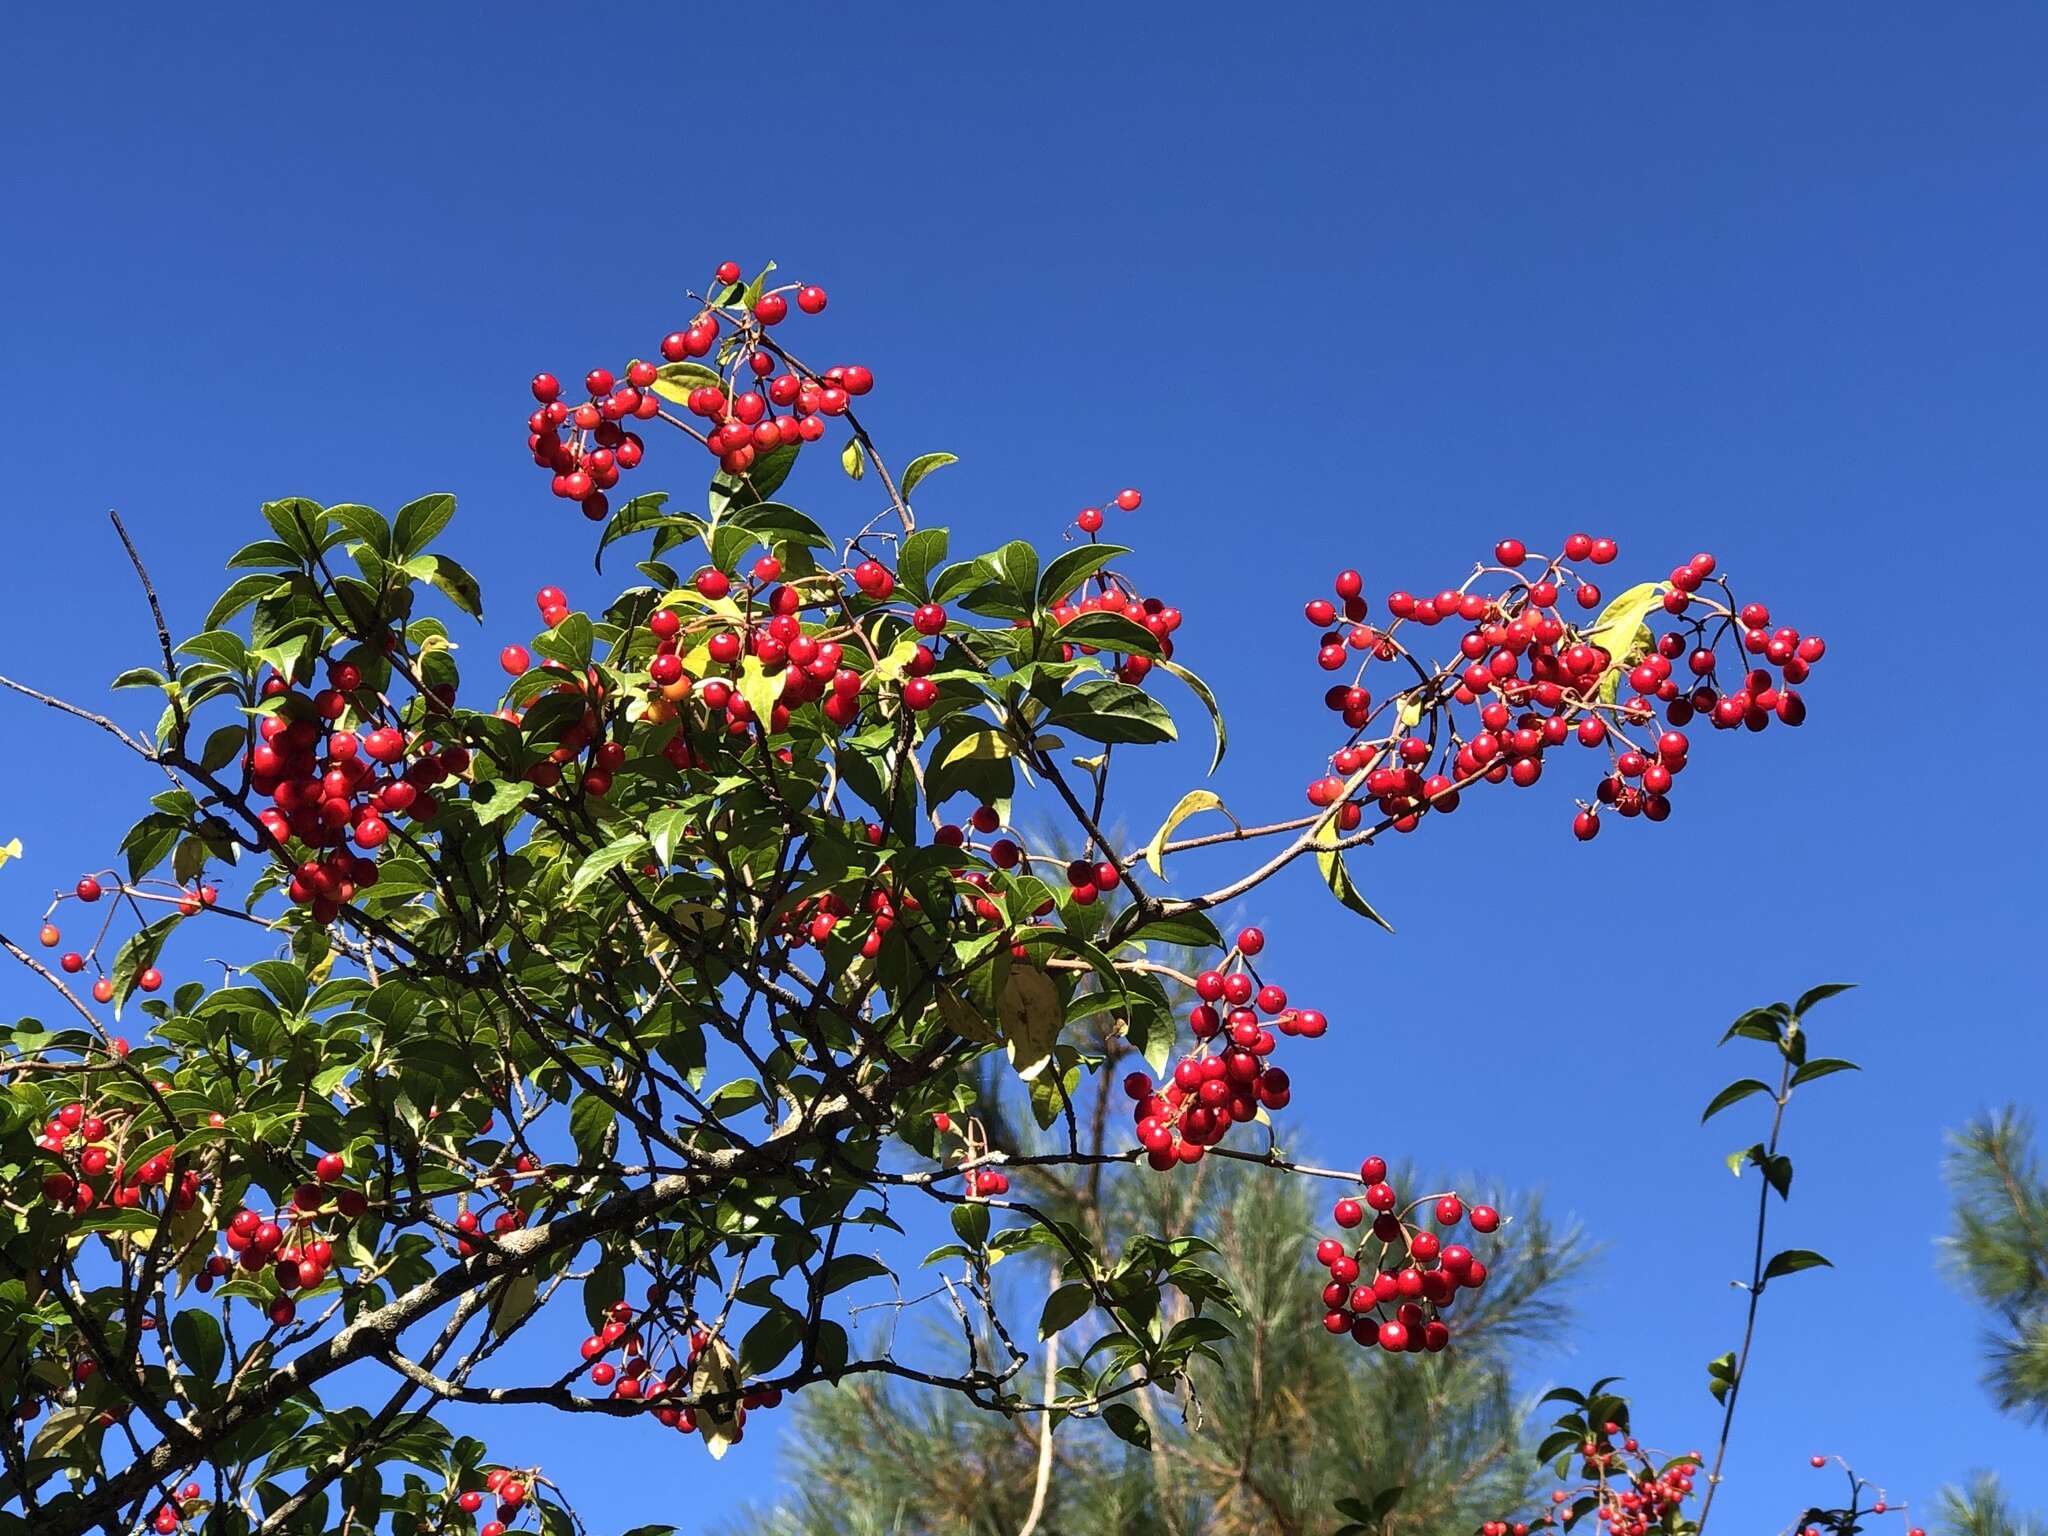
x=1331, y=862
x=11, y=849
x=852, y=460
x=1029, y=1006
x=513, y=1302
x=963, y=1018
x=675, y=381
x=759, y=689
x=1191, y=803
x=716, y=1371
x=890, y=667
x=986, y=744
x=1615, y=630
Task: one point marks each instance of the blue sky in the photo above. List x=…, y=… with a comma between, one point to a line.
x=1372, y=287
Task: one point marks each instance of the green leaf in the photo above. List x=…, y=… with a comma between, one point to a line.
x=1064, y=1307
x=1127, y=1424
x=420, y=522
x=457, y=585
x=1110, y=711
x=1734, y=1093
x=1014, y=570
x=1822, y=1066
x=510, y=1306
x=137, y=955
x=640, y=513
x=502, y=801
x=759, y=482
x=589, y=1118
x=1331, y=862
x=1189, y=930
x=195, y=1333
x=1721, y=1375
x=1201, y=691
x=223, y=745
x=770, y=1340
x=921, y=551
x=297, y=522
x=363, y=525
x=923, y=465
x=970, y=1223
x=664, y=828
x=241, y=592
x=1071, y=567
x=1757, y=1024
x=614, y=855
x=1820, y=994
x=850, y=1269
x=1793, y=1260
x=1108, y=632
x=219, y=645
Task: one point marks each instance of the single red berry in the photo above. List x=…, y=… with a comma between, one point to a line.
x=810, y=299
x=88, y=889
x=1128, y=499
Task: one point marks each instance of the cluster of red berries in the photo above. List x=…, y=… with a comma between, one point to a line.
x=1226, y=1079
x=290, y=1243
x=1408, y=1268
x=175, y=1509
x=635, y=1377
x=508, y=1488
x=985, y=1181
x=580, y=736
x=1115, y=596
x=1539, y=680
x=1631, y=1495
x=90, y=888
x=329, y=787
x=91, y=1171
x=808, y=667
x=585, y=446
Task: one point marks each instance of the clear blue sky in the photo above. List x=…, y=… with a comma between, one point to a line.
x=1359, y=285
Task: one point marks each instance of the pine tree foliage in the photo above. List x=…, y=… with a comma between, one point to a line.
x=1289, y=1423
x=1999, y=1252
x=1981, y=1509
